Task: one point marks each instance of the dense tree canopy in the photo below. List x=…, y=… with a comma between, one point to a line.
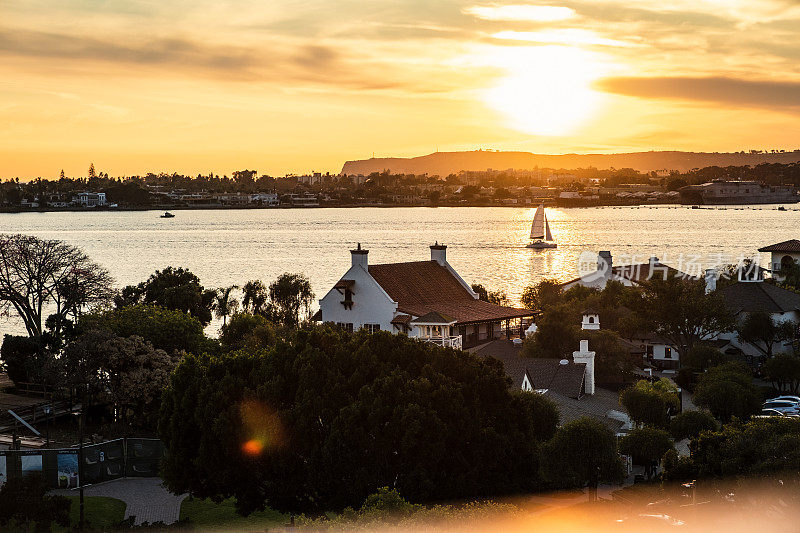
x=727, y=391
x=689, y=424
x=172, y=288
x=165, y=329
x=582, y=452
x=649, y=403
x=324, y=418
x=290, y=295
x=646, y=445
x=783, y=371
x=125, y=372
x=754, y=449
x=245, y=331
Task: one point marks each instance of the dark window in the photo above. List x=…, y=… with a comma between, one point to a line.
x=372, y=328
x=649, y=350
x=667, y=353
x=348, y=299
x=347, y=326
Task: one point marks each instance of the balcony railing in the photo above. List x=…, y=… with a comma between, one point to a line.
x=447, y=342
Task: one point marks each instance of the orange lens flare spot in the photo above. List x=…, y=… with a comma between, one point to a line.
x=253, y=447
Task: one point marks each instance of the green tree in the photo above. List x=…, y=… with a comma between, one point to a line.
x=761, y=331
x=757, y=448
x=783, y=371
x=727, y=391
x=92, y=171
x=290, y=294
x=702, y=356
x=172, y=288
x=165, y=329
x=247, y=332
x=481, y=291
x=22, y=358
x=324, y=418
x=556, y=335
x=646, y=446
x=582, y=452
x=689, y=424
x=650, y=404
x=255, y=297
x=125, y=372
x=542, y=295
x=225, y=304
x=680, y=311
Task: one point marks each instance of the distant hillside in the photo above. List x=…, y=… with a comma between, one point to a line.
x=444, y=163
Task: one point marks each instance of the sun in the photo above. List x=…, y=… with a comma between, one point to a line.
x=547, y=89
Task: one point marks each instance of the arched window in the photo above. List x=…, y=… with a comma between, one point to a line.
x=786, y=262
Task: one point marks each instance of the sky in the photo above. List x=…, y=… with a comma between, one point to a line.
x=302, y=85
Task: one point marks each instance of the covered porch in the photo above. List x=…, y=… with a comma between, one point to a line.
x=478, y=332
x=438, y=329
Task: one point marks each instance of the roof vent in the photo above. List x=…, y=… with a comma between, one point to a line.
x=564, y=362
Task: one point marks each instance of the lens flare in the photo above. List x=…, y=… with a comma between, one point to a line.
x=262, y=429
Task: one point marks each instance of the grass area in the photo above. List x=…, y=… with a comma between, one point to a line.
x=207, y=515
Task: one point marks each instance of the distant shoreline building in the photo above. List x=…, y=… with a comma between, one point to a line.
x=719, y=192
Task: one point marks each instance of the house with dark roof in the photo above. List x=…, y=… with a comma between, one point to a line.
x=629, y=274
x=424, y=299
x=758, y=296
x=569, y=383
x=782, y=256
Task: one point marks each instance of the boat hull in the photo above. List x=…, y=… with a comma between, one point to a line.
x=540, y=245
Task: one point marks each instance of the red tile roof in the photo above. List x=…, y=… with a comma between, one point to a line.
x=792, y=245
x=421, y=287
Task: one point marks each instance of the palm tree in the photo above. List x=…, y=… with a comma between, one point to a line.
x=224, y=304
x=254, y=297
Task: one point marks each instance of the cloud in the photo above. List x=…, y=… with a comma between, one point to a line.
x=520, y=12
x=721, y=90
x=572, y=36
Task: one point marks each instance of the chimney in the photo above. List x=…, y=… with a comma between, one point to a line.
x=591, y=320
x=439, y=253
x=359, y=257
x=604, y=263
x=585, y=356
x=711, y=280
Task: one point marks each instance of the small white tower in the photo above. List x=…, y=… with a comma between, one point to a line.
x=591, y=320
x=585, y=356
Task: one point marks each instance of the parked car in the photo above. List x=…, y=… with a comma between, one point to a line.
x=795, y=399
x=786, y=407
x=766, y=413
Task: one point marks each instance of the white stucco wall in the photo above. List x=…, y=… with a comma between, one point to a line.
x=749, y=349
x=371, y=304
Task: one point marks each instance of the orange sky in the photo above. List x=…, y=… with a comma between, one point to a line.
x=288, y=86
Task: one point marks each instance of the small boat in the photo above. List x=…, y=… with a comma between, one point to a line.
x=167, y=214
x=540, y=231
x=781, y=208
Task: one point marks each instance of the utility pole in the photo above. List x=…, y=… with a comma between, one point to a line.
x=81, y=423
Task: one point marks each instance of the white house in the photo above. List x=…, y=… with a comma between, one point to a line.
x=90, y=199
x=424, y=299
x=782, y=255
x=628, y=274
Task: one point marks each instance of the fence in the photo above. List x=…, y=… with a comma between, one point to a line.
x=129, y=457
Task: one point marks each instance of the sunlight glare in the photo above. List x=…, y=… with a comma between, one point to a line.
x=548, y=90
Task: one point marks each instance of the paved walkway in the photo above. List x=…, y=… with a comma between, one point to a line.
x=146, y=498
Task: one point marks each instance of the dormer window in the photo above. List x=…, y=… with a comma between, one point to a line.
x=348, y=299
x=345, y=287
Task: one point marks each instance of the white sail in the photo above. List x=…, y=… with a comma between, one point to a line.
x=548, y=236
x=537, y=228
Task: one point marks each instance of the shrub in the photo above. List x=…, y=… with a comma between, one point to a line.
x=689, y=424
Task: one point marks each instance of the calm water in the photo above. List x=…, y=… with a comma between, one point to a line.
x=486, y=245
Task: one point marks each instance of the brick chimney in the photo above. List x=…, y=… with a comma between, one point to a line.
x=359, y=257
x=439, y=253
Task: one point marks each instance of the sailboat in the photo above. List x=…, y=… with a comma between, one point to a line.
x=540, y=231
